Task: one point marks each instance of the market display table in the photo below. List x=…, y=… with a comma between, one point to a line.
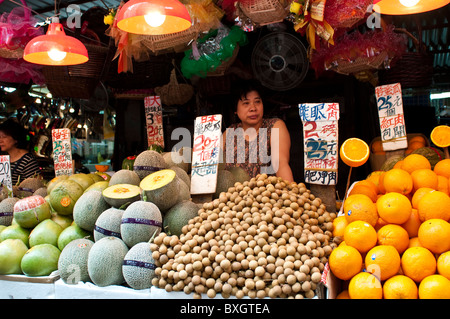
x=24, y=287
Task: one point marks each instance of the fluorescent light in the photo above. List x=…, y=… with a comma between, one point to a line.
x=439, y=96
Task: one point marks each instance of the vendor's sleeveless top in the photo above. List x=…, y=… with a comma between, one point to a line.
x=253, y=156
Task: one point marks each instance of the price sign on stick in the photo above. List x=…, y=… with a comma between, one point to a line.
x=392, y=121
x=320, y=135
x=5, y=173
x=154, y=120
x=62, y=151
x=205, y=154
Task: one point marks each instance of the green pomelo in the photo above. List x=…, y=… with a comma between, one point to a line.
x=11, y=253
x=125, y=176
x=40, y=260
x=178, y=216
x=139, y=222
x=63, y=221
x=73, y=260
x=120, y=194
x=181, y=174
x=87, y=209
x=99, y=186
x=46, y=232
x=64, y=196
x=42, y=191
x=108, y=223
x=161, y=188
x=105, y=176
x=85, y=180
x=2, y=228
x=105, y=261
x=97, y=178
x=53, y=182
x=31, y=210
x=139, y=266
x=28, y=186
x=148, y=162
x=239, y=174
x=7, y=210
x=71, y=233
x=15, y=232
x=225, y=180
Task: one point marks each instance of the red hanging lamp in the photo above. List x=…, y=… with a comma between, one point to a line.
x=153, y=17
x=55, y=48
x=404, y=7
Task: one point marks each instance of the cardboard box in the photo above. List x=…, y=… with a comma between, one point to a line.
x=25, y=287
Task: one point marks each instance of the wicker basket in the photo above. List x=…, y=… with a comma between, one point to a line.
x=174, y=93
x=263, y=12
x=361, y=64
x=11, y=54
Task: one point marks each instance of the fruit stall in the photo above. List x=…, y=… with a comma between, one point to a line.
x=125, y=209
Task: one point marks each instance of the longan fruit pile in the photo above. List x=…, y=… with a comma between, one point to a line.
x=262, y=238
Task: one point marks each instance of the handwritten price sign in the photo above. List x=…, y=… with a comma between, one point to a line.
x=320, y=135
x=154, y=120
x=390, y=112
x=5, y=173
x=62, y=151
x=205, y=153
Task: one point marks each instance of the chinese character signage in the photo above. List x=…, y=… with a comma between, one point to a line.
x=390, y=112
x=320, y=135
x=154, y=119
x=5, y=173
x=205, y=153
x=62, y=151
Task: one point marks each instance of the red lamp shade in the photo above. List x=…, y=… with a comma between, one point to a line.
x=153, y=17
x=403, y=7
x=55, y=48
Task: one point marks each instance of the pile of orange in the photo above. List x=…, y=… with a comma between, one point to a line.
x=405, y=253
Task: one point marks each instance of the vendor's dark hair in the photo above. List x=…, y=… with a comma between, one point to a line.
x=12, y=128
x=243, y=87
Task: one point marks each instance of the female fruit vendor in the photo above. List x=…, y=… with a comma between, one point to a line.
x=13, y=141
x=257, y=144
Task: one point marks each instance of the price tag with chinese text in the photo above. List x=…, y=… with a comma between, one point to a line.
x=154, y=120
x=5, y=173
x=62, y=151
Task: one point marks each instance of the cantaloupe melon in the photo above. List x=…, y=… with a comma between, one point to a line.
x=72, y=263
x=175, y=158
x=121, y=194
x=225, y=180
x=185, y=193
x=125, y=176
x=140, y=221
x=87, y=209
x=148, y=162
x=390, y=162
x=181, y=174
x=40, y=260
x=108, y=223
x=41, y=191
x=28, y=186
x=179, y=216
x=64, y=196
x=11, y=254
x=7, y=210
x=31, y=210
x=71, y=233
x=105, y=261
x=161, y=188
x=139, y=267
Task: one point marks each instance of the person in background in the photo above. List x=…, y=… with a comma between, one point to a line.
x=264, y=152
x=14, y=142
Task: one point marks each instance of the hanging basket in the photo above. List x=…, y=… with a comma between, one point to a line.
x=174, y=93
x=362, y=64
x=263, y=12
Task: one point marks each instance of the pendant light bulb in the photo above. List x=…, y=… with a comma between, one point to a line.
x=409, y=3
x=155, y=19
x=56, y=55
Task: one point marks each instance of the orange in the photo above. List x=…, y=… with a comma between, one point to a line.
x=414, y=242
x=398, y=180
x=345, y=262
x=434, y=234
x=415, y=145
x=365, y=190
x=374, y=177
x=443, y=184
x=434, y=204
x=360, y=207
x=417, y=263
x=418, y=194
x=382, y=261
x=354, y=152
x=380, y=223
x=400, y=287
x=377, y=146
x=440, y=136
x=412, y=224
x=367, y=183
x=394, y=208
x=395, y=236
x=424, y=177
x=413, y=162
x=443, y=167
x=381, y=188
x=360, y=235
x=365, y=286
x=443, y=264
x=399, y=164
x=343, y=295
x=434, y=287
x=339, y=224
